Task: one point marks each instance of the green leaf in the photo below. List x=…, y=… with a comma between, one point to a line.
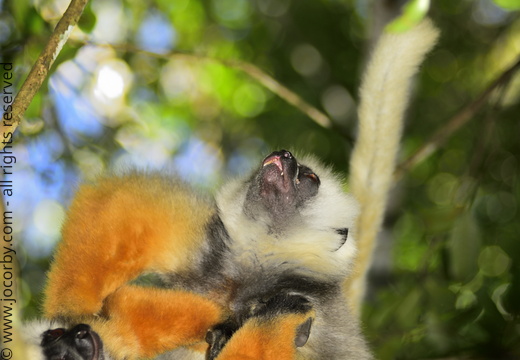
x=413, y=12
x=20, y=10
x=87, y=21
x=465, y=300
x=493, y=261
x=508, y=4
x=31, y=23
x=464, y=247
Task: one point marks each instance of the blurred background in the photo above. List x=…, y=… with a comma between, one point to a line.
x=162, y=84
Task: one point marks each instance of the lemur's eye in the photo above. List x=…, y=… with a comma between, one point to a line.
x=313, y=177
x=307, y=179
x=56, y=333
x=306, y=173
x=52, y=335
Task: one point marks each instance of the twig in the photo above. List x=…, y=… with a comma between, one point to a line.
x=455, y=123
x=41, y=68
x=484, y=142
x=283, y=92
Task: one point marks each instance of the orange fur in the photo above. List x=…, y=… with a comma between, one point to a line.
x=144, y=322
x=116, y=230
x=266, y=339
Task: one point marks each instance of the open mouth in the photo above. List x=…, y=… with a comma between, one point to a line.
x=273, y=159
x=284, y=162
x=282, y=185
x=280, y=170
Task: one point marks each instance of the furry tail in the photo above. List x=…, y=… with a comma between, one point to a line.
x=384, y=95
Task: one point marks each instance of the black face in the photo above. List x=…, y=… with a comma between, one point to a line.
x=282, y=185
x=77, y=343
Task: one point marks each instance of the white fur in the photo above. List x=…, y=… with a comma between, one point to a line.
x=31, y=336
x=384, y=97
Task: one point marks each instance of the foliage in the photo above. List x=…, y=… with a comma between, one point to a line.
x=508, y=4
x=166, y=95
x=413, y=12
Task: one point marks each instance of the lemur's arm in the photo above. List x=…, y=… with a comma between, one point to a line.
x=117, y=229
x=274, y=331
x=143, y=322
x=384, y=95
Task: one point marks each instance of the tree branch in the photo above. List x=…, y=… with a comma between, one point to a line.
x=455, y=123
x=292, y=98
x=41, y=68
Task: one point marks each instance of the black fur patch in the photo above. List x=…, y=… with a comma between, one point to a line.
x=218, y=238
x=218, y=336
x=296, y=283
x=344, y=235
x=283, y=304
x=207, y=275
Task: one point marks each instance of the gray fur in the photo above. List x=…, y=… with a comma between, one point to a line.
x=264, y=248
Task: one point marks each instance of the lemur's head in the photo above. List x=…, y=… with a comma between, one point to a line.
x=280, y=187
x=285, y=192
x=292, y=206
x=77, y=343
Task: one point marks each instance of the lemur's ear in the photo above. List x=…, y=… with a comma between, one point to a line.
x=302, y=333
